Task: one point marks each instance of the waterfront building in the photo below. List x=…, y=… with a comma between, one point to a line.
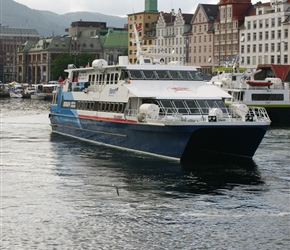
x=146, y=23
x=227, y=27
x=202, y=36
x=265, y=35
x=171, y=41
x=35, y=59
x=10, y=39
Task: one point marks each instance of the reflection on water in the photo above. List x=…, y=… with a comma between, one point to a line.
x=142, y=172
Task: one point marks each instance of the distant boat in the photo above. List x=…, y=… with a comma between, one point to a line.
x=270, y=93
x=4, y=90
x=16, y=90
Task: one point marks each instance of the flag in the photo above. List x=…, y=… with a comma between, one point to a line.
x=139, y=27
x=88, y=65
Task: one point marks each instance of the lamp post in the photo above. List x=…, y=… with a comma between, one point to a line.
x=280, y=48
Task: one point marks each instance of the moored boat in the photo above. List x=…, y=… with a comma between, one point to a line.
x=164, y=110
x=16, y=90
x=4, y=90
x=270, y=93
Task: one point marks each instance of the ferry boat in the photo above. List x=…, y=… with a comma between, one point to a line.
x=164, y=110
x=271, y=93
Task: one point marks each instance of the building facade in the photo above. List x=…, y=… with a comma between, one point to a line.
x=202, y=37
x=35, y=60
x=10, y=40
x=265, y=36
x=171, y=41
x=227, y=28
x=146, y=23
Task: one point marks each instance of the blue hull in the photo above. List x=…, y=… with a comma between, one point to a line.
x=182, y=142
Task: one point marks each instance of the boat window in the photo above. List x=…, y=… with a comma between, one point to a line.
x=174, y=75
x=192, y=106
x=135, y=74
x=196, y=75
x=116, y=78
x=112, y=78
x=163, y=74
x=212, y=104
x=180, y=107
x=185, y=75
x=267, y=97
x=101, y=79
x=166, y=107
x=124, y=75
x=96, y=106
x=220, y=104
x=121, y=108
x=108, y=79
x=149, y=74
x=84, y=105
x=203, y=106
x=91, y=105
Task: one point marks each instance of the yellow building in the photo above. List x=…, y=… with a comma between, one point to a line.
x=146, y=23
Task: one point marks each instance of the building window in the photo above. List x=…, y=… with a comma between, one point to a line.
x=249, y=37
x=254, y=36
x=267, y=23
x=272, y=47
x=273, y=22
x=254, y=24
x=260, y=47
x=254, y=60
x=266, y=35
x=266, y=47
x=254, y=48
x=249, y=25
x=285, y=33
x=261, y=24
x=260, y=36
x=285, y=46
x=273, y=34
x=279, y=22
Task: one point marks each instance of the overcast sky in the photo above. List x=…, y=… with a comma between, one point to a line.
x=113, y=7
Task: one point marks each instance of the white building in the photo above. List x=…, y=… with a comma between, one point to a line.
x=265, y=38
x=170, y=40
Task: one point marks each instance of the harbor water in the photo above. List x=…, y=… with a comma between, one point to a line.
x=60, y=193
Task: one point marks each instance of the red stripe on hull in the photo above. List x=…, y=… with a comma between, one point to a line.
x=106, y=119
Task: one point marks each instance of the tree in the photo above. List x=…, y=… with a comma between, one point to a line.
x=60, y=63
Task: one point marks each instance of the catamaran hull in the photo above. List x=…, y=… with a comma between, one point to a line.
x=183, y=142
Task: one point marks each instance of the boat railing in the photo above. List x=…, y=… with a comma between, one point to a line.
x=170, y=115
